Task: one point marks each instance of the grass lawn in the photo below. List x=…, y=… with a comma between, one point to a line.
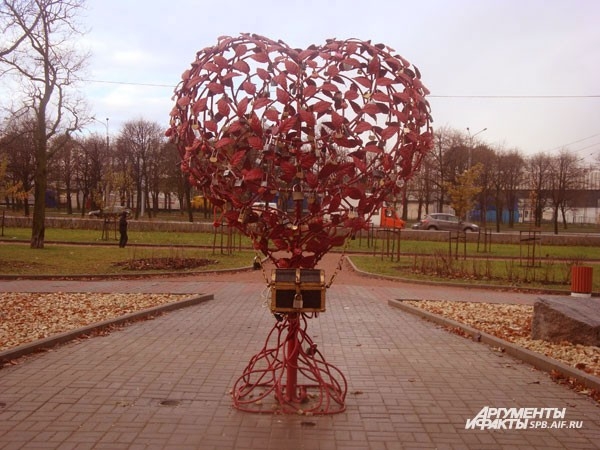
x=19, y=259
x=547, y=275
x=135, y=237
x=156, y=252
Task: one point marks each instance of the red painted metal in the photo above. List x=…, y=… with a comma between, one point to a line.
x=582, y=280
x=293, y=350
x=299, y=148
x=289, y=375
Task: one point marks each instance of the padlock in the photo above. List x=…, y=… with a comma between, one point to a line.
x=297, y=194
x=298, y=303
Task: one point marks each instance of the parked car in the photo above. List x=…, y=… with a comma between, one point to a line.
x=445, y=222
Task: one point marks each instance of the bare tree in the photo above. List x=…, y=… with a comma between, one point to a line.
x=17, y=145
x=142, y=140
x=447, y=161
x=538, y=171
x=44, y=58
x=162, y=162
x=507, y=177
x=420, y=187
x=11, y=189
x=511, y=171
x=485, y=156
x=17, y=20
x=565, y=173
x=61, y=169
x=174, y=177
x=122, y=172
x=452, y=155
x=90, y=162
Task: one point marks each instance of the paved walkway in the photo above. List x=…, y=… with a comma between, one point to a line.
x=165, y=383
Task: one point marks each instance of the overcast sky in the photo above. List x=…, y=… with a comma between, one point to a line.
x=527, y=70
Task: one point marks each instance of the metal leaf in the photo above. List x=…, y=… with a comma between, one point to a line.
x=215, y=88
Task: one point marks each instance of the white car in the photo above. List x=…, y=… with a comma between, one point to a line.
x=445, y=222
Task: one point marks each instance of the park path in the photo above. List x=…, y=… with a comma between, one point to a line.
x=166, y=383
x=202, y=282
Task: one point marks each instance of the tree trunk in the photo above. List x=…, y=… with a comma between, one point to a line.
x=205, y=208
x=419, y=208
x=139, y=207
x=555, y=219
x=155, y=205
x=564, y=216
x=82, y=205
x=180, y=198
x=69, y=199
x=538, y=214
x=38, y=228
x=498, y=217
x=188, y=201
x=483, y=215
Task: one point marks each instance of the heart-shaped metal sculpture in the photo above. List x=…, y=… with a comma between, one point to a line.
x=300, y=147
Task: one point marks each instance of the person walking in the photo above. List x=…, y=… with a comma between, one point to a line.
x=123, y=229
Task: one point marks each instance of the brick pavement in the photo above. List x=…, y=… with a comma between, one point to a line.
x=165, y=383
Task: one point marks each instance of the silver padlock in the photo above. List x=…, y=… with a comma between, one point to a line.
x=298, y=303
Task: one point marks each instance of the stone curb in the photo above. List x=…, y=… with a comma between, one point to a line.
x=536, y=360
x=62, y=338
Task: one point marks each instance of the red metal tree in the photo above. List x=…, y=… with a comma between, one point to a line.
x=298, y=148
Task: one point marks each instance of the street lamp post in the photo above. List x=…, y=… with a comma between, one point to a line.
x=110, y=165
x=471, y=137
x=107, y=138
x=106, y=126
x=108, y=187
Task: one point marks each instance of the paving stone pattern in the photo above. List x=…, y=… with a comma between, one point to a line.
x=165, y=383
